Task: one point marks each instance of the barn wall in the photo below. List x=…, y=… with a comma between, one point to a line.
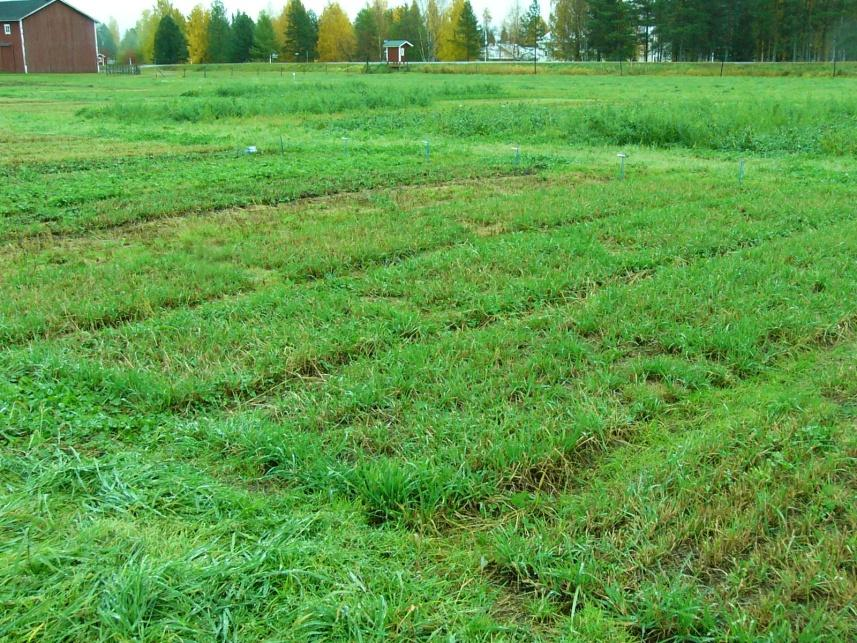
x=11, y=57
x=59, y=39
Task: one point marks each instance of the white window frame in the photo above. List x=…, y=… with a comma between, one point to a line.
x=7, y=29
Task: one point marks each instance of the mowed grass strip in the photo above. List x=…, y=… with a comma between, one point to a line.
x=103, y=198
x=622, y=369
x=186, y=261
x=244, y=346
x=531, y=392
x=735, y=520
x=397, y=420
x=134, y=546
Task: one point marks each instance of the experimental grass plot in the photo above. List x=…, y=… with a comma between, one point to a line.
x=340, y=389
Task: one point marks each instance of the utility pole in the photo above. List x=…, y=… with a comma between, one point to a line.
x=486, y=27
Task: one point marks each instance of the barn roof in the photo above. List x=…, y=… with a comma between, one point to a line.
x=396, y=43
x=20, y=9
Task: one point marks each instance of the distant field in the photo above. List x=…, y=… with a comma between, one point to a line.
x=424, y=366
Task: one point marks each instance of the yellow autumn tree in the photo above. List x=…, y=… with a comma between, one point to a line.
x=449, y=47
x=281, y=25
x=197, y=34
x=336, y=40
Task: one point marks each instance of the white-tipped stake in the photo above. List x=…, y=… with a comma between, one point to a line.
x=741, y=170
x=345, y=141
x=427, y=150
x=517, y=149
x=622, y=156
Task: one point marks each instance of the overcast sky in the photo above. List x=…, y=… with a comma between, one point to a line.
x=127, y=11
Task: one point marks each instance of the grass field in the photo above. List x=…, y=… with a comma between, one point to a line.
x=345, y=389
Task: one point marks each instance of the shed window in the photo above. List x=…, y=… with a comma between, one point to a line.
x=7, y=29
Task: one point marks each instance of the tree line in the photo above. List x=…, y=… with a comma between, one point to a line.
x=449, y=30
x=163, y=35
x=704, y=30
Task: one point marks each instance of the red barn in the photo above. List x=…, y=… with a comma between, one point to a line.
x=396, y=51
x=46, y=36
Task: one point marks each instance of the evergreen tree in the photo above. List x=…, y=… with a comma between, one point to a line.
x=299, y=41
x=366, y=35
x=422, y=44
x=170, y=43
x=406, y=23
x=682, y=26
x=265, y=40
x=611, y=30
x=643, y=16
x=534, y=25
x=106, y=43
x=241, y=43
x=312, y=39
x=219, y=34
x=147, y=26
x=468, y=33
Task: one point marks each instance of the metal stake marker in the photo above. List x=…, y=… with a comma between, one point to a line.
x=741, y=170
x=517, y=149
x=428, y=150
x=622, y=156
x=345, y=141
x=282, y=146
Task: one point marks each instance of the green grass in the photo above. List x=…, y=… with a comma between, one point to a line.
x=344, y=392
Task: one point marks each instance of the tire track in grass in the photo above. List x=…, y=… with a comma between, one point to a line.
x=130, y=227
x=614, y=525
x=582, y=290
x=614, y=434
x=319, y=366
x=353, y=267
x=266, y=383
x=17, y=227
x=467, y=512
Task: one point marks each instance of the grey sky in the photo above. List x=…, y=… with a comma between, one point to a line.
x=127, y=11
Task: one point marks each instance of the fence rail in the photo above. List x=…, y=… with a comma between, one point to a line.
x=124, y=70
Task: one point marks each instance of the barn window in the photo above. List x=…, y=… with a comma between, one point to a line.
x=7, y=29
